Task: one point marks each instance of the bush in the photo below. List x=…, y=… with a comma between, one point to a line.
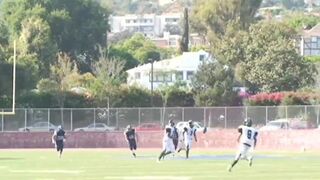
x=265, y=99
x=284, y=98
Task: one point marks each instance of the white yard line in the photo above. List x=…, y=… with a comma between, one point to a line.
x=47, y=171
x=148, y=177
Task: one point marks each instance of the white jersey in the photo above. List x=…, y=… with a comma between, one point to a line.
x=188, y=135
x=249, y=134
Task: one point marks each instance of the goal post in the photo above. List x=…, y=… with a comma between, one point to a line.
x=12, y=112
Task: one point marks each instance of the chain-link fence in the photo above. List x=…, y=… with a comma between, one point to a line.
x=104, y=119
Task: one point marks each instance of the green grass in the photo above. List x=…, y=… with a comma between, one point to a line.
x=118, y=164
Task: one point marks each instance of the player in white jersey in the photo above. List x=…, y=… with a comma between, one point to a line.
x=247, y=142
x=167, y=144
x=188, y=134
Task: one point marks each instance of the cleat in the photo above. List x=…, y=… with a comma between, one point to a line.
x=250, y=161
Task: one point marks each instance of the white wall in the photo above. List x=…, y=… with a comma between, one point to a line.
x=188, y=62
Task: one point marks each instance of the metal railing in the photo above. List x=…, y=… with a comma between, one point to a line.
x=215, y=117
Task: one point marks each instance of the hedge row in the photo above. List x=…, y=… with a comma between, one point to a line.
x=284, y=98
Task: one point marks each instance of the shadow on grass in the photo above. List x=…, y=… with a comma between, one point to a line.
x=10, y=159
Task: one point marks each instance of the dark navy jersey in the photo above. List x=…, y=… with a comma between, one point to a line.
x=60, y=135
x=130, y=134
x=175, y=134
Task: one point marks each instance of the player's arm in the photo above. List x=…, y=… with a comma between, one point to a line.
x=195, y=136
x=255, y=139
x=240, y=133
x=185, y=130
x=125, y=136
x=136, y=136
x=53, y=138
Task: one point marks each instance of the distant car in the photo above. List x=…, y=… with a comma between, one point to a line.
x=94, y=127
x=200, y=128
x=39, y=127
x=276, y=125
x=291, y=123
x=149, y=127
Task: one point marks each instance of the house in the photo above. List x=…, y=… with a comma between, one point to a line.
x=167, y=72
x=309, y=43
x=151, y=25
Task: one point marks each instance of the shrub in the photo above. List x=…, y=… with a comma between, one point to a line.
x=265, y=99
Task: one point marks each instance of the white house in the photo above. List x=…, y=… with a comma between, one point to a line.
x=151, y=25
x=169, y=71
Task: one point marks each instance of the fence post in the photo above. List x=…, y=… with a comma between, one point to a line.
x=246, y=112
x=286, y=112
x=182, y=114
x=71, y=119
x=318, y=116
x=94, y=117
x=266, y=115
x=48, y=119
x=2, y=119
x=117, y=117
x=204, y=117
x=305, y=112
x=225, y=117
x=25, y=117
x=62, y=121
x=139, y=116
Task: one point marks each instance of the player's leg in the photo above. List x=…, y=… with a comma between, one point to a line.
x=132, y=148
x=188, y=148
x=61, y=149
x=237, y=158
x=235, y=161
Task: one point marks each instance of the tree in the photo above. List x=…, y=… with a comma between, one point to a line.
x=300, y=21
x=213, y=85
x=35, y=39
x=110, y=71
x=271, y=61
x=184, y=42
x=211, y=17
x=77, y=27
x=141, y=48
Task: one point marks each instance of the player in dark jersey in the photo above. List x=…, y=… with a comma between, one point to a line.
x=58, y=138
x=174, y=134
x=130, y=136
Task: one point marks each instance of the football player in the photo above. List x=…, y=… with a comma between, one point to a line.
x=189, y=133
x=174, y=133
x=247, y=142
x=167, y=144
x=58, y=138
x=130, y=136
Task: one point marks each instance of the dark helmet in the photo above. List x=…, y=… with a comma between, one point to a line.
x=171, y=122
x=190, y=122
x=247, y=122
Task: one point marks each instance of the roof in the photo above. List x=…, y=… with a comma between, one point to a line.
x=172, y=64
x=315, y=31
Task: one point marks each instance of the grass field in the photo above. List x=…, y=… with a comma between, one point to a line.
x=117, y=164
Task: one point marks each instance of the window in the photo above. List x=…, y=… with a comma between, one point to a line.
x=190, y=75
x=201, y=57
x=161, y=77
x=127, y=21
x=313, y=39
x=137, y=75
x=168, y=77
x=99, y=125
x=179, y=76
x=134, y=21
